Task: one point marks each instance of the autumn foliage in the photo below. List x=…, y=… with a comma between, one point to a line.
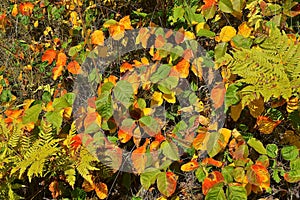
x=149, y=99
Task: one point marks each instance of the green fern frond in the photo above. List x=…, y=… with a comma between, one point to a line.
x=271, y=69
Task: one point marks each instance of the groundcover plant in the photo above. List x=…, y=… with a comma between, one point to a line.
x=165, y=99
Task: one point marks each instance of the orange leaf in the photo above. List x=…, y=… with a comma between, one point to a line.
x=259, y=176
x=266, y=125
x=116, y=31
x=61, y=59
x=192, y=165
x=211, y=161
x=12, y=115
x=125, y=66
x=101, y=190
x=198, y=141
x=125, y=21
x=126, y=130
x=26, y=8
x=208, y=4
x=49, y=56
x=244, y=30
x=139, y=157
x=57, y=71
x=74, y=68
x=98, y=37
x=212, y=179
x=218, y=95
x=183, y=68
x=54, y=189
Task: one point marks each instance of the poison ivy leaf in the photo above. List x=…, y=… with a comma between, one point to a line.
x=258, y=175
x=225, y=6
x=289, y=152
x=170, y=150
x=236, y=192
x=272, y=150
x=217, y=141
x=216, y=192
x=231, y=97
x=192, y=165
x=148, y=177
x=123, y=92
x=257, y=145
x=32, y=114
x=150, y=125
x=161, y=73
x=292, y=176
x=55, y=117
x=220, y=50
x=166, y=183
x=200, y=174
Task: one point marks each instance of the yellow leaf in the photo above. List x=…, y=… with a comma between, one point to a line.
x=170, y=97
x=147, y=111
x=73, y=18
x=98, y=37
x=36, y=24
x=227, y=33
x=244, y=30
x=14, y=10
x=156, y=99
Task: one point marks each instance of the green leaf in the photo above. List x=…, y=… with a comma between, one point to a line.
x=295, y=164
x=220, y=50
x=216, y=193
x=55, y=118
x=150, y=125
x=161, y=73
x=200, y=174
x=289, y=152
x=231, y=97
x=272, y=150
x=292, y=176
x=236, y=192
x=104, y=105
x=227, y=173
x=170, y=150
x=165, y=185
x=178, y=13
x=257, y=145
x=123, y=92
x=70, y=176
x=216, y=143
x=61, y=102
x=205, y=33
x=225, y=6
x=32, y=114
x=148, y=177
